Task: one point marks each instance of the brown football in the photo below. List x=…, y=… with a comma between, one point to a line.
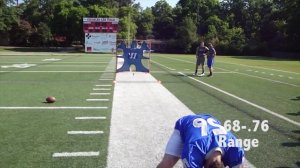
x=50, y=99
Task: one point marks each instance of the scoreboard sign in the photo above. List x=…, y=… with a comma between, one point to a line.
x=100, y=34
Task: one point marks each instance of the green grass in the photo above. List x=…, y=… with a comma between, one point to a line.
x=30, y=137
x=279, y=146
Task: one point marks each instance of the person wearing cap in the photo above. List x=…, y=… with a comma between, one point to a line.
x=196, y=140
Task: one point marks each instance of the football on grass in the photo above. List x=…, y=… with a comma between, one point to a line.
x=50, y=99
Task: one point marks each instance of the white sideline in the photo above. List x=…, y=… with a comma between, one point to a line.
x=51, y=108
x=84, y=132
x=75, y=154
x=90, y=118
x=245, y=101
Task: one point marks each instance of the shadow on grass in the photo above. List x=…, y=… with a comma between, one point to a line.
x=294, y=114
x=296, y=98
x=296, y=131
x=291, y=144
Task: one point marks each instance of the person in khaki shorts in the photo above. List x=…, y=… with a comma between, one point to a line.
x=200, y=56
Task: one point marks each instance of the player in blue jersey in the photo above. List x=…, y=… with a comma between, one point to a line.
x=210, y=58
x=201, y=141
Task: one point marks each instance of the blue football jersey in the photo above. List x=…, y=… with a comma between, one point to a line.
x=200, y=134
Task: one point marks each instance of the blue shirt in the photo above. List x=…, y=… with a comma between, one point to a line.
x=200, y=134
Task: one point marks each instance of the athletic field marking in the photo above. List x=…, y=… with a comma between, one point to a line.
x=260, y=67
x=291, y=77
x=271, y=74
x=191, y=72
x=90, y=118
x=72, y=65
x=245, y=101
x=241, y=73
x=51, y=59
x=100, y=93
x=280, y=76
x=163, y=65
x=103, y=85
x=62, y=62
x=51, y=108
x=22, y=66
x=84, y=132
x=97, y=100
x=106, y=79
x=101, y=89
x=56, y=71
x=76, y=154
x=275, y=81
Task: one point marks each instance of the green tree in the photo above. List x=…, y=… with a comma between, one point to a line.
x=145, y=24
x=20, y=33
x=41, y=35
x=164, y=27
x=187, y=35
x=67, y=20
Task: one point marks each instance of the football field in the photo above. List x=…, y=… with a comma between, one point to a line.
x=258, y=97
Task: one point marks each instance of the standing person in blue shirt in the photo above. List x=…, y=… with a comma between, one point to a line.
x=200, y=56
x=199, y=140
x=210, y=58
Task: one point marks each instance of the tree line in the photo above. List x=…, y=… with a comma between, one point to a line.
x=255, y=27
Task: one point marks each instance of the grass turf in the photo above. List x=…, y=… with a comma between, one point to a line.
x=30, y=137
x=282, y=138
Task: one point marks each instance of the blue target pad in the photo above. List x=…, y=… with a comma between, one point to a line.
x=133, y=56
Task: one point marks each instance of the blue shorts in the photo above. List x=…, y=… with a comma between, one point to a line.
x=210, y=62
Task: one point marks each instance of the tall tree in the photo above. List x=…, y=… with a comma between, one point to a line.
x=164, y=27
x=145, y=24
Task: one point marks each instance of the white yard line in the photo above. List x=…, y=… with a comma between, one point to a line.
x=51, y=108
x=276, y=81
x=84, y=132
x=271, y=80
x=246, y=101
x=76, y=154
x=93, y=100
x=103, y=85
x=106, y=79
x=163, y=65
x=54, y=71
x=77, y=65
x=100, y=93
x=95, y=89
x=90, y=118
x=261, y=67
